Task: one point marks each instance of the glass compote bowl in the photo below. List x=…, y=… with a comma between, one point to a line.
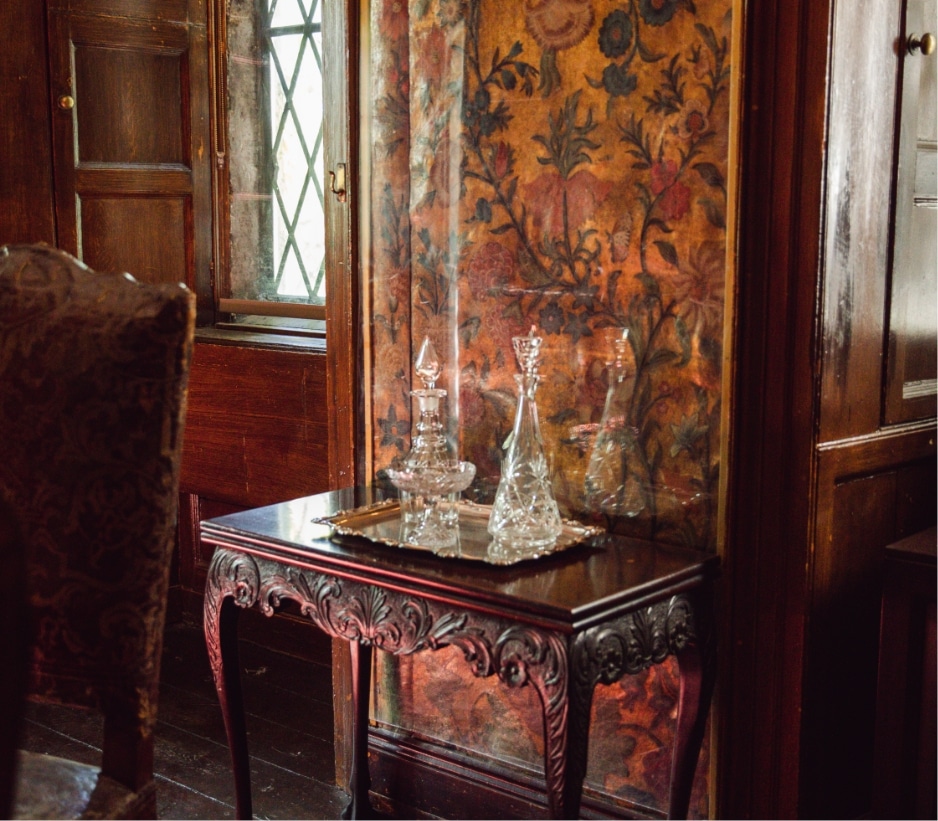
x=429, y=497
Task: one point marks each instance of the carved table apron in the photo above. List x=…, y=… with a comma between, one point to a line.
x=619, y=606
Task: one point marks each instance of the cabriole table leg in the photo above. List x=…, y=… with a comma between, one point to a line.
x=220, y=620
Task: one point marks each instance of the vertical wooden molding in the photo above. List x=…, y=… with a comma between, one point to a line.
x=770, y=486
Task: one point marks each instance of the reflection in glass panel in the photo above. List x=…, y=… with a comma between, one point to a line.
x=276, y=171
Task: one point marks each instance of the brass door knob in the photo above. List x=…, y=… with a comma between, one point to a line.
x=66, y=101
x=925, y=44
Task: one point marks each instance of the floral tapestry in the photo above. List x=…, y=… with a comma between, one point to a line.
x=561, y=165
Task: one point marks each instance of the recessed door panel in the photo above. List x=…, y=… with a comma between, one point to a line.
x=158, y=254
x=130, y=105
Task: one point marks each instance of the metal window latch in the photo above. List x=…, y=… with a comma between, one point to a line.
x=337, y=181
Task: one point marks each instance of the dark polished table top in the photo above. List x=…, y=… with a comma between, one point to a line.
x=567, y=591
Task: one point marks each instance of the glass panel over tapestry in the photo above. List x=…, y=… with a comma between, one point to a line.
x=561, y=165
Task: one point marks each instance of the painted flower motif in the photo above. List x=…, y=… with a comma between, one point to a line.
x=500, y=329
x=502, y=160
x=558, y=24
x=471, y=405
x=620, y=237
x=658, y=12
x=397, y=287
x=703, y=63
x=490, y=268
x=551, y=318
x=432, y=59
x=663, y=175
x=615, y=34
x=584, y=194
x=674, y=196
x=393, y=429
x=617, y=81
x=699, y=287
x=439, y=174
x=694, y=121
x=394, y=20
x=451, y=12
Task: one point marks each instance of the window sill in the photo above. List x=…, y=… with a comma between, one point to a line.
x=260, y=339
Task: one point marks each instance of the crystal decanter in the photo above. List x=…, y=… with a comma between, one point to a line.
x=429, y=477
x=525, y=520
x=613, y=485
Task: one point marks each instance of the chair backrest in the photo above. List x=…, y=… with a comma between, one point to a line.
x=93, y=369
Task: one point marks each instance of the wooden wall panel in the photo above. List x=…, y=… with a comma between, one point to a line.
x=257, y=432
x=27, y=212
x=257, y=425
x=871, y=491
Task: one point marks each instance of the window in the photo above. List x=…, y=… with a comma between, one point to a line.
x=275, y=67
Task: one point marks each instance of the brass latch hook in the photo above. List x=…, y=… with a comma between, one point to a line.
x=338, y=182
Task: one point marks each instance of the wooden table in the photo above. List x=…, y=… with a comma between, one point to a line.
x=563, y=623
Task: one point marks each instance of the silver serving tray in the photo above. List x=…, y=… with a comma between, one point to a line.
x=381, y=523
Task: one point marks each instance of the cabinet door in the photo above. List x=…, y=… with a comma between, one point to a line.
x=913, y=311
x=131, y=141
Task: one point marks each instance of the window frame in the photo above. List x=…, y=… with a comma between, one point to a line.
x=340, y=30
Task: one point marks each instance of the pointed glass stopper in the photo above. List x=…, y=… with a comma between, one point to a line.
x=427, y=365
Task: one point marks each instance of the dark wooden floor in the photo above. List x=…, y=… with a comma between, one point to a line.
x=288, y=702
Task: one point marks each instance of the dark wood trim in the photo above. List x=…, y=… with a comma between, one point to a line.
x=770, y=494
x=343, y=322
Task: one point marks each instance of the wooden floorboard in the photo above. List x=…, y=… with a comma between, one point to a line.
x=288, y=705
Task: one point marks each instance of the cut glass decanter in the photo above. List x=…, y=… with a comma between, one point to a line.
x=429, y=477
x=613, y=484
x=525, y=518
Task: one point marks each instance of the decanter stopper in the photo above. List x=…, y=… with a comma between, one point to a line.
x=429, y=477
x=429, y=446
x=427, y=365
x=525, y=519
x=613, y=483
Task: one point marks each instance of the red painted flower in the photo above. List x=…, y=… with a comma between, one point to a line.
x=693, y=120
x=490, y=268
x=502, y=160
x=584, y=194
x=663, y=174
x=393, y=19
x=674, y=196
x=558, y=24
x=433, y=59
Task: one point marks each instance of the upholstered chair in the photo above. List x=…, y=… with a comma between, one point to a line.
x=93, y=373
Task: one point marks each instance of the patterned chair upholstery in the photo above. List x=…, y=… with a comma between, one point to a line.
x=93, y=369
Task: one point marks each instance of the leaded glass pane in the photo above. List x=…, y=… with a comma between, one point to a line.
x=276, y=169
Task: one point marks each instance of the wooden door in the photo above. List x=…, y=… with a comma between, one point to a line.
x=131, y=142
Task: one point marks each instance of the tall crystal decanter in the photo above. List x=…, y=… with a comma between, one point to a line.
x=525, y=519
x=429, y=477
x=613, y=483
